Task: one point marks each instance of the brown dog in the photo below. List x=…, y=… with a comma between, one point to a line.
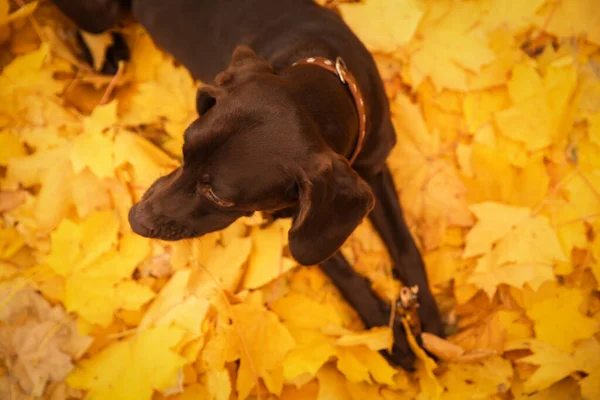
x=275, y=135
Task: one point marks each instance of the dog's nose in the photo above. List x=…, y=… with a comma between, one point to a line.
x=137, y=223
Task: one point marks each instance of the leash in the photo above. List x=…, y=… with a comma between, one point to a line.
x=407, y=307
x=408, y=303
x=339, y=69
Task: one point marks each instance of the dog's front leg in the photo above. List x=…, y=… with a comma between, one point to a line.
x=372, y=310
x=389, y=223
x=94, y=16
x=97, y=16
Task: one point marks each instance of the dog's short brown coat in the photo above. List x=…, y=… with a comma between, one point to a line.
x=274, y=137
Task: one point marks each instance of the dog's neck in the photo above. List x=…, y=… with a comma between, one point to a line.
x=329, y=102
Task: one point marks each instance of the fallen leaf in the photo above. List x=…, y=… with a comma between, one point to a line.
x=266, y=341
x=448, y=50
x=40, y=340
x=266, y=260
x=513, y=262
x=97, y=45
x=554, y=304
x=574, y=18
x=479, y=380
x=554, y=363
x=10, y=200
x=132, y=368
x=495, y=222
x=381, y=27
x=374, y=339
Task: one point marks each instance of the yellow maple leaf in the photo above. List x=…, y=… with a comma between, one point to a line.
x=301, y=311
x=148, y=161
x=478, y=380
x=361, y=364
x=10, y=146
x=511, y=16
x=332, y=385
x=131, y=369
x=69, y=240
x=496, y=220
x=583, y=193
x=532, y=182
x=495, y=74
x=351, y=366
x=146, y=58
x=570, y=227
x=172, y=295
x=47, y=137
x=266, y=341
x=92, y=148
x=218, y=349
x=537, y=115
x=23, y=11
x=586, y=357
x=130, y=295
x=375, y=338
x=97, y=44
x=430, y=189
x=26, y=73
x=558, y=321
x=489, y=161
x=266, y=261
x=563, y=389
x=193, y=392
x=95, y=151
x=89, y=193
x=225, y=265
x=479, y=106
x=10, y=242
x=144, y=103
x=313, y=349
x=54, y=198
x=554, y=363
x=85, y=256
x=491, y=333
x=574, y=18
x=383, y=26
x=442, y=265
x=513, y=262
x=28, y=170
x=448, y=49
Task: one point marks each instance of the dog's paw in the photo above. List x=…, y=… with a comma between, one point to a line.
x=116, y=52
x=401, y=354
x=430, y=321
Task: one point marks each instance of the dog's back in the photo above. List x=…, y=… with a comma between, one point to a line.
x=203, y=34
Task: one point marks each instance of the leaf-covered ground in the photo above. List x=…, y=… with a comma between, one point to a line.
x=497, y=108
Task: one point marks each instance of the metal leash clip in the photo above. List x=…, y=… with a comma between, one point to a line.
x=407, y=307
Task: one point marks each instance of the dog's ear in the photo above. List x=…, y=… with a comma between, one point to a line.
x=333, y=200
x=207, y=97
x=245, y=63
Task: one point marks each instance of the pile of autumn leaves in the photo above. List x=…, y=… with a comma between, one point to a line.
x=498, y=165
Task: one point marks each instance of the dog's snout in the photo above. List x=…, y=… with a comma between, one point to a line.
x=139, y=223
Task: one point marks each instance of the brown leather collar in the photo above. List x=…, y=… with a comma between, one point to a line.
x=341, y=71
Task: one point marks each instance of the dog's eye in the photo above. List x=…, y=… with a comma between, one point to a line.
x=208, y=190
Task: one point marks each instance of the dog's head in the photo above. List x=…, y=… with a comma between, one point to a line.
x=254, y=149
